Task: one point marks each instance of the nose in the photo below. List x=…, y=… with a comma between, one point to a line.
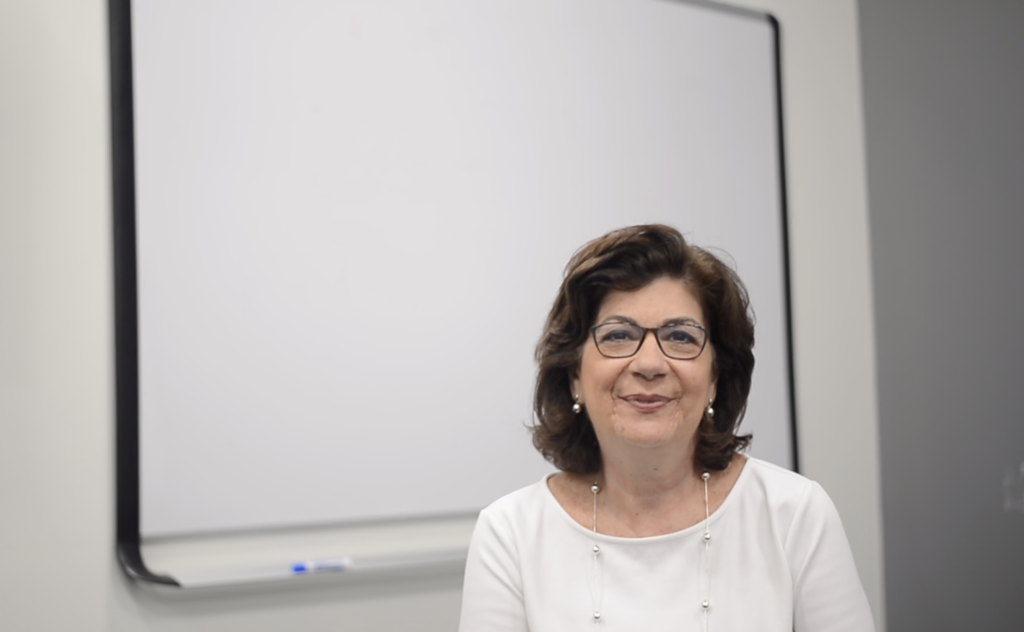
x=649, y=362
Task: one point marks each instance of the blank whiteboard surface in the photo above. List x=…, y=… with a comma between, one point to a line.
x=352, y=219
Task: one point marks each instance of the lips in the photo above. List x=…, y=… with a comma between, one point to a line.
x=646, y=402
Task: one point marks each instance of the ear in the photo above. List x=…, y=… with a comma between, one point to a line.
x=713, y=391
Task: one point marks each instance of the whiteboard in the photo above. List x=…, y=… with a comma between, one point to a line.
x=352, y=219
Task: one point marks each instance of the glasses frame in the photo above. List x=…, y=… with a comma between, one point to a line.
x=654, y=330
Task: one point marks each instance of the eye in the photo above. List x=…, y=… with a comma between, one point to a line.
x=682, y=339
x=679, y=335
x=617, y=332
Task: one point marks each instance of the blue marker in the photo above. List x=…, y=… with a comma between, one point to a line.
x=321, y=566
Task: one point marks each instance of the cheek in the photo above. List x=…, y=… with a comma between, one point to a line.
x=700, y=383
x=596, y=385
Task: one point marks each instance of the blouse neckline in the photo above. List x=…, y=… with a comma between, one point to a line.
x=697, y=528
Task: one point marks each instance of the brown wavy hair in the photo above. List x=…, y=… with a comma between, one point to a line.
x=627, y=260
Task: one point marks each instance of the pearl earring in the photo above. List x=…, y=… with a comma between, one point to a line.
x=577, y=407
x=711, y=411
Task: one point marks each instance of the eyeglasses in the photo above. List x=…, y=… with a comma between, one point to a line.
x=622, y=340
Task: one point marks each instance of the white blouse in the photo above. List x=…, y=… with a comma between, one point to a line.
x=778, y=561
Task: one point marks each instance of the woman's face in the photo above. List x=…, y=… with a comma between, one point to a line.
x=648, y=399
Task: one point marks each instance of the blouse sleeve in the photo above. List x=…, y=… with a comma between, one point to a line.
x=492, y=594
x=827, y=593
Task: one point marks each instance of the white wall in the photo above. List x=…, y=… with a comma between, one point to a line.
x=56, y=369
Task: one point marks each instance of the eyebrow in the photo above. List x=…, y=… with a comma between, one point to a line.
x=679, y=320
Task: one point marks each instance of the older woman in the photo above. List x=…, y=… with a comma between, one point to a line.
x=656, y=520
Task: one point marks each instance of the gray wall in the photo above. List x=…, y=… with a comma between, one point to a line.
x=944, y=117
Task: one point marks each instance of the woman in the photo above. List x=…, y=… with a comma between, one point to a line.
x=656, y=520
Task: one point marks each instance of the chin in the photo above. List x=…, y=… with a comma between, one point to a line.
x=650, y=434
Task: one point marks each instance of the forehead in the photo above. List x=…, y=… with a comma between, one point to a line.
x=659, y=301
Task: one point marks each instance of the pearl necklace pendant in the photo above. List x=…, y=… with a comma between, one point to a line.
x=596, y=592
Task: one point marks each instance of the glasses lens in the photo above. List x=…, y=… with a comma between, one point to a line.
x=682, y=342
x=618, y=340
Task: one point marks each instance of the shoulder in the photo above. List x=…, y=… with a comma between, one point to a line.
x=776, y=485
x=524, y=499
x=528, y=519
x=827, y=593
x=790, y=498
x=510, y=513
x=775, y=478
x=515, y=529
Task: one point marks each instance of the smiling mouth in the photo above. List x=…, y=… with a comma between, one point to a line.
x=646, y=403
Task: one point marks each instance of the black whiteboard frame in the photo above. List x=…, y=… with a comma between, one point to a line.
x=126, y=322
x=127, y=471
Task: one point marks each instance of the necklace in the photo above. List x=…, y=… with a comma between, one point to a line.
x=597, y=589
